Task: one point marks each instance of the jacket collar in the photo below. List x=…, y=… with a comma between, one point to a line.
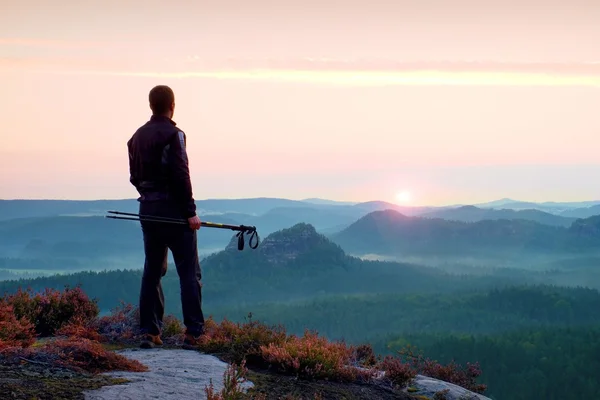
x=161, y=118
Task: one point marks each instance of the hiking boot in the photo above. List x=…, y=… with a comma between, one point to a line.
x=191, y=342
x=150, y=341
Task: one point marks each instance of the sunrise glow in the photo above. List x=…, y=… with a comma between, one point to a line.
x=403, y=196
x=366, y=78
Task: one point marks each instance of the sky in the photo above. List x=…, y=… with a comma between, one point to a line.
x=414, y=101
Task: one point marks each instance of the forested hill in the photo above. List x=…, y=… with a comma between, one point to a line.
x=390, y=232
x=294, y=263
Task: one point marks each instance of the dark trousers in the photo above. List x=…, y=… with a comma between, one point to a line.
x=182, y=241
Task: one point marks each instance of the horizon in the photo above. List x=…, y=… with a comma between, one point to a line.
x=463, y=103
x=339, y=201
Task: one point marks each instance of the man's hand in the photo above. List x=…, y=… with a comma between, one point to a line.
x=194, y=222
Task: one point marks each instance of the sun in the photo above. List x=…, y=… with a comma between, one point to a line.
x=403, y=196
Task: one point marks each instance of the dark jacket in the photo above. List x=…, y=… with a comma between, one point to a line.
x=158, y=164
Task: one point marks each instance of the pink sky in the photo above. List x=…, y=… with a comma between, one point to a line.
x=455, y=101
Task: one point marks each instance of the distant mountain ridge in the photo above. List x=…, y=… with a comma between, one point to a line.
x=10, y=209
x=474, y=214
x=392, y=233
x=47, y=233
x=329, y=202
x=258, y=206
x=518, y=204
x=583, y=212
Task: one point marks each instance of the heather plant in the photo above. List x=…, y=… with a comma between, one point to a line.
x=398, y=373
x=309, y=356
x=313, y=357
x=90, y=356
x=364, y=356
x=120, y=326
x=234, y=376
x=51, y=309
x=240, y=342
x=79, y=328
x=78, y=354
x=14, y=331
x=464, y=376
x=173, y=328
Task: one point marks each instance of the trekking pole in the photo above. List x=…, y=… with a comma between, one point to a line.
x=241, y=229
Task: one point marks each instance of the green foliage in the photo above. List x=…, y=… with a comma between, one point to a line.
x=543, y=362
x=248, y=277
x=359, y=317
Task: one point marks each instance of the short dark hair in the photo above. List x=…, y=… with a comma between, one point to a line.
x=161, y=97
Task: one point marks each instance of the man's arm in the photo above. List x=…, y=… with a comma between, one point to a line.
x=132, y=178
x=180, y=174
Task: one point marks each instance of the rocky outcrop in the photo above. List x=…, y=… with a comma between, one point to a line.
x=430, y=388
x=286, y=245
x=173, y=374
x=183, y=374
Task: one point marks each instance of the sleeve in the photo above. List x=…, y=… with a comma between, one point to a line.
x=132, y=178
x=180, y=174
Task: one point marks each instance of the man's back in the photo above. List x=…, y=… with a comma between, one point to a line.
x=158, y=164
x=147, y=153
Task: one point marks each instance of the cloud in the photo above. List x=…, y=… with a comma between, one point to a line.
x=369, y=78
x=131, y=61
x=49, y=43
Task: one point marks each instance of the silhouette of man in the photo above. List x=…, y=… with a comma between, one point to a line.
x=159, y=170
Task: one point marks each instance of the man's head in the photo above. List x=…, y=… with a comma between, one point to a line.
x=162, y=101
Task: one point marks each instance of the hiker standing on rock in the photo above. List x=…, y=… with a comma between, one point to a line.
x=158, y=166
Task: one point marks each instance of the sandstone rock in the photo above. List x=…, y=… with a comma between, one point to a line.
x=428, y=387
x=173, y=374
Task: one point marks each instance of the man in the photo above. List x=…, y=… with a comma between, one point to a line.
x=158, y=166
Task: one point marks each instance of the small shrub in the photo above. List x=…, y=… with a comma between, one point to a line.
x=87, y=355
x=121, y=326
x=364, y=356
x=240, y=342
x=462, y=376
x=399, y=373
x=14, y=331
x=311, y=357
x=172, y=327
x=454, y=373
x=232, y=378
x=51, y=310
x=77, y=354
x=80, y=329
